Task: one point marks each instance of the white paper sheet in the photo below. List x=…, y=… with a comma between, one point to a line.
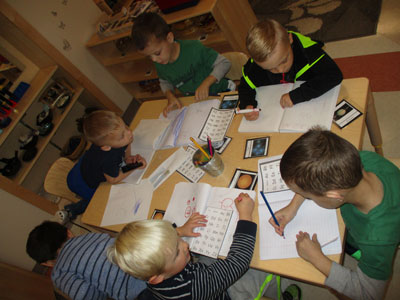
x=189, y=124
x=188, y=198
x=269, y=175
x=188, y=169
x=168, y=167
x=146, y=138
x=127, y=203
x=299, y=118
x=310, y=218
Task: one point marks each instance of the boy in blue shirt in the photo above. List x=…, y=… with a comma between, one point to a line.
x=183, y=64
x=111, y=149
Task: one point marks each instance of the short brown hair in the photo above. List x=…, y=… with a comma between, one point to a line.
x=263, y=37
x=99, y=124
x=146, y=26
x=320, y=161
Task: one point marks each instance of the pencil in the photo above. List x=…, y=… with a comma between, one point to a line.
x=209, y=146
x=245, y=111
x=270, y=210
x=200, y=148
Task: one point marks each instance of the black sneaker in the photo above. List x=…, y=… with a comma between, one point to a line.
x=292, y=292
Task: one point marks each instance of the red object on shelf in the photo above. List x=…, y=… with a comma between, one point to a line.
x=169, y=6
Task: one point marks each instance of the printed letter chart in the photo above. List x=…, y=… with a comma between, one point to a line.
x=188, y=169
x=212, y=236
x=271, y=175
x=217, y=124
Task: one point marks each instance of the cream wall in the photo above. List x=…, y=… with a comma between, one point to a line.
x=18, y=218
x=78, y=19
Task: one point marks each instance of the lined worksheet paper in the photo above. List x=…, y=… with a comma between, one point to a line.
x=212, y=236
x=310, y=218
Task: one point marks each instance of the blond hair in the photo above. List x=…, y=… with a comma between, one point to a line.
x=99, y=124
x=143, y=248
x=263, y=37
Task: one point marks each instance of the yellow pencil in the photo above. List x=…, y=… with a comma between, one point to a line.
x=201, y=149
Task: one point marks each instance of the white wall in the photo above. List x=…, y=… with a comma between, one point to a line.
x=78, y=19
x=18, y=218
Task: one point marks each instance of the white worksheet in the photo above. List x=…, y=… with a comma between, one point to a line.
x=217, y=124
x=188, y=169
x=212, y=236
x=128, y=203
x=310, y=218
x=269, y=175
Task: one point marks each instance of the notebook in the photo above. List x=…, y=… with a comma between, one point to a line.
x=310, y=217
x=146, y=140
x=299, y=118
x=188, y=198
x=200, y=118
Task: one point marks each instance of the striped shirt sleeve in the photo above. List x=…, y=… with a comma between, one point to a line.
x=214, y=280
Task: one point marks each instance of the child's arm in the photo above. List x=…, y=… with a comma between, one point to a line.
x=286, y=214
x=121, y=176
x=217, y=277
x=195, y=220
x=220, y=66
x=173, y=103
x=353, y=284
x=286, y=101
x=325, y=75
x=247, y=95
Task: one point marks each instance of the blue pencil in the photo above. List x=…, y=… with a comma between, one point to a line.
x=270, y=210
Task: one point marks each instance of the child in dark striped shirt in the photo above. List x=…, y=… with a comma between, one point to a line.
x=151, y=250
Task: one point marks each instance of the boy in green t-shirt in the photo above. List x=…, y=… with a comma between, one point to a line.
x=366, y=187
x=183, y=64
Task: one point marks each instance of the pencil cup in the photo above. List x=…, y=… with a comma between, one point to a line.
x=214, y=166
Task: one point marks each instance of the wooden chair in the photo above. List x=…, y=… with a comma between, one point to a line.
x=238, y=59
x=56, y=179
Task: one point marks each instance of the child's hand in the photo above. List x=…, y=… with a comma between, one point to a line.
x=252, y=115
x=245, y=206
x=284, y=216
x=173, y=103
x=136, y=158
x=195, y=220
x=286, y=101
x=203, y=90
x=308, y=249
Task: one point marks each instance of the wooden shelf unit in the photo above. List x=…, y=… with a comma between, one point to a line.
x=58, y=117
x=233, y=20
x=36, y=87
x=52, y=64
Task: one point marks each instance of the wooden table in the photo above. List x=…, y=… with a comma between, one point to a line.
x=356, y=91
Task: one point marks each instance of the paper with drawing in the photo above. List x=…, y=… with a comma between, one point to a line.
x=127, y=203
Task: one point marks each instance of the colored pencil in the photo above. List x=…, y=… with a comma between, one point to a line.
x=270, y=210
x=209, y=146
x=200, y=148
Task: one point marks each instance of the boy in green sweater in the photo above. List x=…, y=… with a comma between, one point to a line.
x=183, y=64
x=329, y=170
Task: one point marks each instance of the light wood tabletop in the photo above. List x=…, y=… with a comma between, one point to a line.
x=355, y=91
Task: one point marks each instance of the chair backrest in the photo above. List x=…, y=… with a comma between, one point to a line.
x=238, y=59
x=395, y=161
x=56, y=179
